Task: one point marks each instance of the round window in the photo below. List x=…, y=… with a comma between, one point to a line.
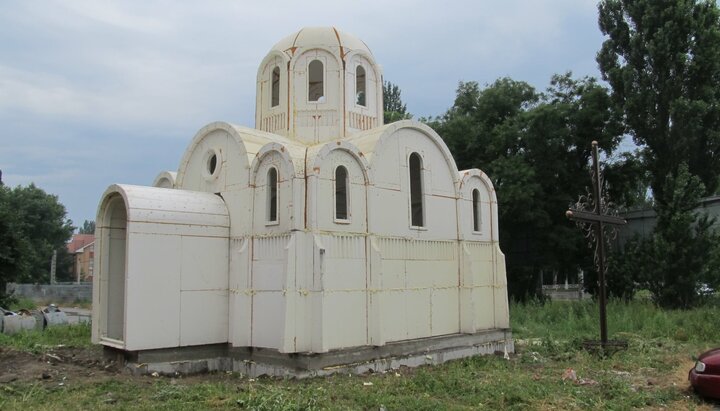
x=213, y=162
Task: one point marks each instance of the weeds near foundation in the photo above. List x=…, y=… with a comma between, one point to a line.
x=549, y=371
x=639, y=319
x=36, y=341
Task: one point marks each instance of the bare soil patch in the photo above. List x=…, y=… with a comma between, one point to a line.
x=57, y=365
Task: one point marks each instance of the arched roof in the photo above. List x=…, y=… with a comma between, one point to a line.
x=249, y=140
x=273, y=148
x=272, y=54
x=318, y=153
x=165, y=176
x=466, y=175
x=256, y=143
x=373, y=140
x=163, y=206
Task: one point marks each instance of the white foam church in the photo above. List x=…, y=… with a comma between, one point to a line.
x=320, y=238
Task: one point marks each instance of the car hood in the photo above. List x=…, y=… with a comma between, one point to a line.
x=711, y=356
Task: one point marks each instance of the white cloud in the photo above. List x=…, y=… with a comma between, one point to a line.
x=43, y=179
x=107, y=13
x=41, y=93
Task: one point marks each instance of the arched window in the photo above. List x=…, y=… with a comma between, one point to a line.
x=275, y=87
x=416, y=193
x=477, y=222
x=360, y=81
x=316, y=88
x=272, y=197
x=341, y=193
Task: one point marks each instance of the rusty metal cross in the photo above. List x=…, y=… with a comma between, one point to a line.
x=594, y=222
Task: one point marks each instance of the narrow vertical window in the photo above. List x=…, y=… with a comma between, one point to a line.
x=360, y=86
x=316, y=89
x=416, y=194
x=272, y=198
x=275, y=87
x=341, y=193
x=476, y=210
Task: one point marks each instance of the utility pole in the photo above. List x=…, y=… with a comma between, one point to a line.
x=53, y=265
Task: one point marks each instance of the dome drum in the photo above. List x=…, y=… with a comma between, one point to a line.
x=317, y=85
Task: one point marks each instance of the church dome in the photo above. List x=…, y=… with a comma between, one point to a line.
x=318, y=84
x=321, y=37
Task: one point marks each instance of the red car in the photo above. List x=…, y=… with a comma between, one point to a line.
x=705, y=376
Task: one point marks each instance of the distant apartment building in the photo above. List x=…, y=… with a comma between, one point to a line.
x=82, y=249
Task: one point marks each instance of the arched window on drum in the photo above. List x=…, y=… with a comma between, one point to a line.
x=275, y=87
x=316, y=82
x=360, y=86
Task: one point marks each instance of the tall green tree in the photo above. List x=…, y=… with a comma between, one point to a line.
x=662, y=60
x=628, y=181
x=680, y=258
x=11, y=244
x=88, y=227
x=684, y=245
x=536, y=148
x=36, y=226
x=393, y=107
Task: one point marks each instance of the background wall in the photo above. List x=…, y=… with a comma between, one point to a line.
x=52, y=293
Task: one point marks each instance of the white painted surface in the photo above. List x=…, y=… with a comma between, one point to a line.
x=205, y=258
x=153, y=291
x=165, y=179
x=203, y=317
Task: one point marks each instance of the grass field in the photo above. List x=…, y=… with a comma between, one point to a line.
x=549, y=371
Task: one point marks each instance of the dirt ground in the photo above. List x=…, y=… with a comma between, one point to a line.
x=57, y=365
x=75, y=366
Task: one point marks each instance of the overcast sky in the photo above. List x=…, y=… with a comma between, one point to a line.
x=94, y=93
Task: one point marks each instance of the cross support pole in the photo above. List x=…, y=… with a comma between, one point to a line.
x=597, y=219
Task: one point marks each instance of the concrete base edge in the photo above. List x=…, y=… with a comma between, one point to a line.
x=255, y=362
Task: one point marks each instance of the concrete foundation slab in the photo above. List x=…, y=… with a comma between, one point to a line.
x=255, y=362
